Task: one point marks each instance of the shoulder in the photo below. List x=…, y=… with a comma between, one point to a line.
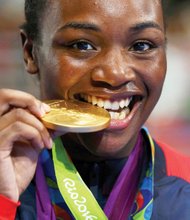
x=171, y=184
x=176, y=163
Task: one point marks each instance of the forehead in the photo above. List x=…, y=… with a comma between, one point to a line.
x=116, y=12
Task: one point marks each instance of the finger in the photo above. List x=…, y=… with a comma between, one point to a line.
x=13, y=98
x=20, y=132
x=21, y=115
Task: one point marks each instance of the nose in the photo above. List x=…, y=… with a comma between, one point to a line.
x=113, y=68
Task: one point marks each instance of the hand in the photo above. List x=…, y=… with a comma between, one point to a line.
x=22, y=137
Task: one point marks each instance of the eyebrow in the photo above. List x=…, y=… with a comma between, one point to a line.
x=145, y=25
x=90, y=26
x=81, y=25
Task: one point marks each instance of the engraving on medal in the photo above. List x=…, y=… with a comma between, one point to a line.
x=75, y=116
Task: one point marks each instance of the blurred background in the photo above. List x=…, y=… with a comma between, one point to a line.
x=169, y=122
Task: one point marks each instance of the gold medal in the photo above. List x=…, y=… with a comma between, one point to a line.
x=75, y=116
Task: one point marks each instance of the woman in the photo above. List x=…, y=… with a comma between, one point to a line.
x=110, y=54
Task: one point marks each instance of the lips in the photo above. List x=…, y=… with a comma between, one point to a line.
x=118, y=109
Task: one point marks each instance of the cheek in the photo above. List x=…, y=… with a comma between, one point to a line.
x=66, y=73
x=155, y=76
x=70, y=74
x=160, y=73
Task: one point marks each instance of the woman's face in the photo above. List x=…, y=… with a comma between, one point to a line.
x=110, y=53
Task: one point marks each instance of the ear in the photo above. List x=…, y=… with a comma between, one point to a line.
x=28, y=53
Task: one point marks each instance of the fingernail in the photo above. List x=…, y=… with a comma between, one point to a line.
x=42, y=111
x=50, y=143
x=46, y=107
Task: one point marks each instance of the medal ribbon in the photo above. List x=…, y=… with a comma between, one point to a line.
x=123, y=194
x=76, y=194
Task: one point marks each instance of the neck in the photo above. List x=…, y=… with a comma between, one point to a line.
x=78, y=152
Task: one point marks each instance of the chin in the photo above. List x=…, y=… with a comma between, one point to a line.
x=108, y=144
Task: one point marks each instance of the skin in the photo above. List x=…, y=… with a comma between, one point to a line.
x=22, y=136
x=109, y=64
x=110, y=68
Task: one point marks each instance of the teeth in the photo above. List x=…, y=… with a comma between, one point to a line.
x=94, y=100
x=115, y=106
x=127, y=101
x=90, y=99
x=122, y=103
x=111, y=106
x=107, y=104
x=100, y=103
x=119, y=115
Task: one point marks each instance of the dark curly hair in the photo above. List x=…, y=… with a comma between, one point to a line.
x=34, y=12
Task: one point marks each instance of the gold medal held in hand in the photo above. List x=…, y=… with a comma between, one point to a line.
x=75, y=116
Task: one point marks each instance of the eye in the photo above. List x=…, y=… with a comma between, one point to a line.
x=142, y=46
x=82, y=46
